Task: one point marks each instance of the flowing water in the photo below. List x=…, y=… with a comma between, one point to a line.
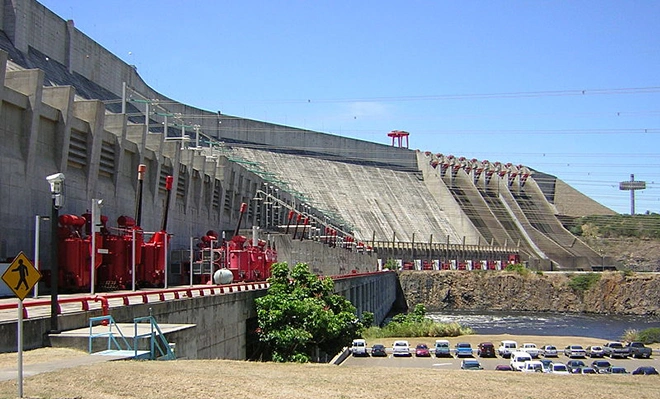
x=607, y=327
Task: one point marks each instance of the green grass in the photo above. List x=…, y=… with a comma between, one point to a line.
x=425, y=328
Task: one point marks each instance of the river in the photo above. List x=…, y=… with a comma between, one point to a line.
x=547, y=324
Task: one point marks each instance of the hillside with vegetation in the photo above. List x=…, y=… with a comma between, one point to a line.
x=632, y=241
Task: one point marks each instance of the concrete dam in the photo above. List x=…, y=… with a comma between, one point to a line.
x=70, y=106
x=67, y=105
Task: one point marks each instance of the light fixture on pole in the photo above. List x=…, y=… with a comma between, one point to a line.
x=56, y=182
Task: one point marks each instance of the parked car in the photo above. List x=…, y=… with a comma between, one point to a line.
x=532, y=366
x=378, y=350
x=595, y=351
x=463, y=349
x=547, y=364
x=442, y=348
x=518, y=360
x=401, y=348
x=618, y=370
x=507, y=347
x=645, y=370
x=601, y=366
x=559, y=368
x=531, y=349
x=615, y=349
x=359, y=347
x=587, y=370
x=471, y=364
x=549, y=350
x=574, y=365
x=503, y=367
x=486, y=349
x=638, y=350
x=421, y=350
x=574, y=351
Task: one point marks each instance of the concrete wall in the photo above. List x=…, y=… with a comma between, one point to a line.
x=29, y=24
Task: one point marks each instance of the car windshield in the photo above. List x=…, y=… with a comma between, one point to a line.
x=463, y=345
x=559, y=367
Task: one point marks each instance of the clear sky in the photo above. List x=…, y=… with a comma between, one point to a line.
x=570, y=88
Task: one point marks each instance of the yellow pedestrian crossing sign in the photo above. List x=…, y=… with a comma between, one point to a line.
x=21, y=276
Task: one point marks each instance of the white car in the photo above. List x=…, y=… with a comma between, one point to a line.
x=531, y=349
x=507, y=348
x=401, y=348
x=559, y=368
x=518, y=360
x=533, y=366
x=359, y=347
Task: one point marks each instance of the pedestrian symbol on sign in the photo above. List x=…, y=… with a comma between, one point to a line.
x=23, y=271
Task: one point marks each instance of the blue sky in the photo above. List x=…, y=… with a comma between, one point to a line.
x=571, y=88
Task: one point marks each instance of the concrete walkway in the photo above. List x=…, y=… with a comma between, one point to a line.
x=11, y=373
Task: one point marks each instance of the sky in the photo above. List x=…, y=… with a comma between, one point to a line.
x=569, y=88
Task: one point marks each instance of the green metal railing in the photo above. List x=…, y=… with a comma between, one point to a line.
x=159, y=348
x=110, y=334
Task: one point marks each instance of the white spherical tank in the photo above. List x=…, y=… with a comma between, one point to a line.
x=223, y=276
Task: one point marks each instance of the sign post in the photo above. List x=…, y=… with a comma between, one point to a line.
x=631, y=186
x=20, y=277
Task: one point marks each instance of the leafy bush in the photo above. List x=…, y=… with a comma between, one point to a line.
x=582, y=282
x=650, y=335
x=367, y=319
x=517, y=268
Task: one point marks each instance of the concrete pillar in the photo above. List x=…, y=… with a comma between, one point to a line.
x=92, y=112
x=61, y=98
x=29, y=83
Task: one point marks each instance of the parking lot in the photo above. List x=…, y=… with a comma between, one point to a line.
x=454, y=363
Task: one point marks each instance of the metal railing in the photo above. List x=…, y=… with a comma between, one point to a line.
x=110, y=334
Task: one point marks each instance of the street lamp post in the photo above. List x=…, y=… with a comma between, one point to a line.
x=56, y=182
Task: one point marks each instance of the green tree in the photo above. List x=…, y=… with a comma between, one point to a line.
x=300, y=314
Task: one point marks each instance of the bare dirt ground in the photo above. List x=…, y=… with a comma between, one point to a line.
x=232, y=379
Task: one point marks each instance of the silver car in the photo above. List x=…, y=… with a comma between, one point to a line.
x=575, y=351
x=549, y=351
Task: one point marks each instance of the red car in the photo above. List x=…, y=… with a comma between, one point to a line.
x=421, y=350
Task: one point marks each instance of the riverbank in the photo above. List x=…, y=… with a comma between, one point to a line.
x=610, y=293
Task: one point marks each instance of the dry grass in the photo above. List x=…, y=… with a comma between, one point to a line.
x=231, y=379
x=41, y=355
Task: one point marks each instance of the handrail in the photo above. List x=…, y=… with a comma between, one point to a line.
x=109, y=321
x=178, y=293
x=164, y=355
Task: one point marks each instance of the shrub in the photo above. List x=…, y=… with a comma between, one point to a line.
x=630, y=335
x=367, y=319
x=649, y=336
x=517, y=268
x=582, y=282
x=415, y=324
